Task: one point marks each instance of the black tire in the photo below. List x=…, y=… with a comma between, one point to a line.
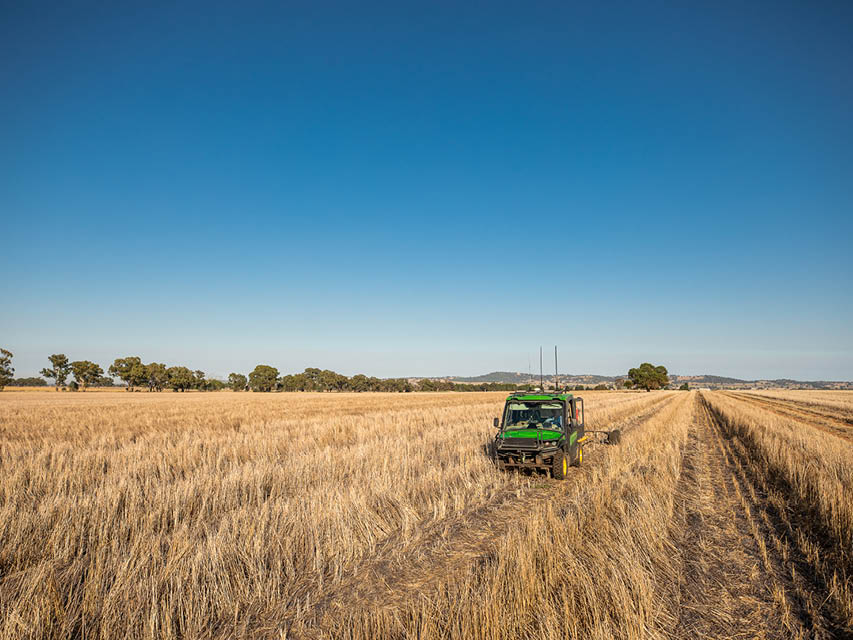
x=614, y=437
x=559, y=466
x=578, y=456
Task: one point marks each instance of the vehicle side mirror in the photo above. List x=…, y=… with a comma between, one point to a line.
x=497, y=423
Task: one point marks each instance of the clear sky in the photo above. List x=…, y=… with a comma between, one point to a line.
x=427, y=189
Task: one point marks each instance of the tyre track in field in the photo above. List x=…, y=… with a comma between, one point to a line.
x=797, y=581
x=400, y=567
x=721, y=590
x=838, y=427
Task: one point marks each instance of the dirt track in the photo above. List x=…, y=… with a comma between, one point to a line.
x=742, y=568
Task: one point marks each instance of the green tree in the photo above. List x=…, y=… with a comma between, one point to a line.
x=684, y=387
x=198, y=379
x=28, y=382
x=627, y=383
x=180, y=378
x=156, y=376
x=85, y=373
x=359, y=382
x=130, y=370
x=237, y=381
x=7, y=371
x=648, y=377
x=290, y=383
x=104, y=381
x=60, y=369
x=263, y=378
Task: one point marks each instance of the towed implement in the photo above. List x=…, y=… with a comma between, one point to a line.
x=545, y=432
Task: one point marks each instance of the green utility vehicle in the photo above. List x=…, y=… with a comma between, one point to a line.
x=544, y=431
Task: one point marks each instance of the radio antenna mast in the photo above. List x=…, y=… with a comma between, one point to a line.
x=541, y=376
x=556, y=372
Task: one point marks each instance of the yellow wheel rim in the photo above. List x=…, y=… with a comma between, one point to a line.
x=565, y=466
x=580, y=454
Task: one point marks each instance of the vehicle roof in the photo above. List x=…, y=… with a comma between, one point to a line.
x=564, y=397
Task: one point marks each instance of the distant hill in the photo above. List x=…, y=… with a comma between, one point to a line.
x=711, y=379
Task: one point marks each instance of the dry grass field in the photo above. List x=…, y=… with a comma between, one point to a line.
x=222, y=515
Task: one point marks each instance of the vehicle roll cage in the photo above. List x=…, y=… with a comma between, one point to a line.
x=578, y=416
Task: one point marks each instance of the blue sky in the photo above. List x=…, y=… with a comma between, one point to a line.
x=425, y=189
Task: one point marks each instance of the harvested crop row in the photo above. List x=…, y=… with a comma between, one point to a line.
x=810, y=412
x=838, y=403
x=806, y=477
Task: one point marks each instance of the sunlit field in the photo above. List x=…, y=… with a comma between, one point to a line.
x=338, y=515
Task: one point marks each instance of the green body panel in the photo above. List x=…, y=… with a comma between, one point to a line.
x=573, y=437
x=544, y=434
x=548, y=396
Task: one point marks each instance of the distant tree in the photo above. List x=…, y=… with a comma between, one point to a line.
x=290, y=383
x=263, y=378
x=312, y=379
x=130, y=370
x=684, y=387
x=627, y=383
x=400, y=385
x=180, y=378
x=104, y=381
x=332, y=381
x=198, y=378
x=60, y=369
x=359, y=382
x=28, y=382
x=7, y=371
x=85, y=373
x=648, y=377
x=579, y=387
x=237, y=381
x=212, y=384
x=156, y=376
x=426, y=385
x=600, y=387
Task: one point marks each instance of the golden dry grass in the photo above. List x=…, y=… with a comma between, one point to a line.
x=380, y=515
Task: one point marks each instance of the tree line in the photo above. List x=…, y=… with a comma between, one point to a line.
x=79, y=375
x=156, y=376
x=266, y=378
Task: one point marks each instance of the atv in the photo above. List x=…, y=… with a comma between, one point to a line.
x=545, y=432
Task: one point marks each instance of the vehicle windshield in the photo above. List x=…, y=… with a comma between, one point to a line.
x=534, y=415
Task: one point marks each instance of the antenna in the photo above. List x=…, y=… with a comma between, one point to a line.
x=541, y=377
x=556, y=372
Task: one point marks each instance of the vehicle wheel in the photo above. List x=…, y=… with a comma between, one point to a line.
x=578, y=457
x=614, y=437
x=559, y=466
